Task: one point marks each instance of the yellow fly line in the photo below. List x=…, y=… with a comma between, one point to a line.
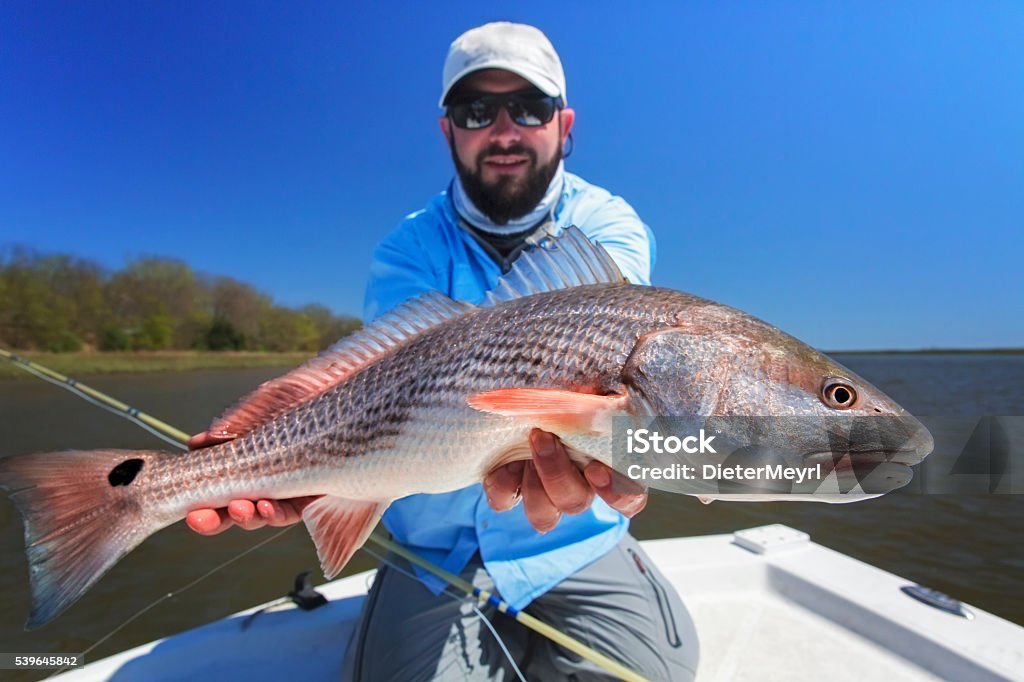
x=180, y=438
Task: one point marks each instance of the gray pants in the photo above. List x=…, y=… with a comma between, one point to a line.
x=619, y=605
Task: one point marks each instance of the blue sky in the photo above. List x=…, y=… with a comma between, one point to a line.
x=851, y=172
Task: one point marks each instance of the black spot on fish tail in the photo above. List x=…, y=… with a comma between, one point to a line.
x=125, y=472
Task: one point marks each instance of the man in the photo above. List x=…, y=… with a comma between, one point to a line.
x=563, y=552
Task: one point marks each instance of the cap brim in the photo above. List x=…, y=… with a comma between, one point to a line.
x=537, y=79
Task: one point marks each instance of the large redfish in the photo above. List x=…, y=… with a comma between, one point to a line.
x=435, y=394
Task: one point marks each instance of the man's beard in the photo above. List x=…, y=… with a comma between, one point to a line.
x=509, y=197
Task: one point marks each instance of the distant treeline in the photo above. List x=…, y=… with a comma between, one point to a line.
x=61, y=303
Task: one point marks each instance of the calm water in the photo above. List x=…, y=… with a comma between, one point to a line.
x=971, y=547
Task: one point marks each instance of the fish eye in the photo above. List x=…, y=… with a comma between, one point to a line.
x=838, y=395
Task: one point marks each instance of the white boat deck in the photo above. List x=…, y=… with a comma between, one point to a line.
x=768, y=605
x=800, y=611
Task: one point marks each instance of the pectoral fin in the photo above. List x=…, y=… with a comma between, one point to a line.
x=554, y=409
x=339, y=527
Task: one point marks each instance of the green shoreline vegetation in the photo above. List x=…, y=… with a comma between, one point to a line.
x=81, y=364
x=64, y=304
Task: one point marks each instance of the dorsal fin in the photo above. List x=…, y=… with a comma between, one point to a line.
x=333, y=365
x=568, y=260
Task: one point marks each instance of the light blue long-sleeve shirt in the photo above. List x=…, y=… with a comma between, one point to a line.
x=430, y=251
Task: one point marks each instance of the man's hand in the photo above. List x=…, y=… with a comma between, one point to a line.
x=551, y=485
x=248, y=515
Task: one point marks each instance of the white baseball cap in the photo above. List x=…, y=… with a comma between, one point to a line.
x=518, y=48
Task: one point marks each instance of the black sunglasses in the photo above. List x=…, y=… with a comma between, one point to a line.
x=529, y=109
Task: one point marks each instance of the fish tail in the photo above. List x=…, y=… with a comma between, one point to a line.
x=82, y=511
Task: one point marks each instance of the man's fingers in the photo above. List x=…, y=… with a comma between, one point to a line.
x=283, y=512
x=622, y=494
x=208, y=521
x=249, y=515
x=540, y=512
x=243, y=513
x=503, y=486
x=565, y=486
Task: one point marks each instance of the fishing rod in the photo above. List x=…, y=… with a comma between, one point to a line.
x=179, y=439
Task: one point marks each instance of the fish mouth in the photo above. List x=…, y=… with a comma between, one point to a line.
x=871, y=472
x=901, y=441
x=863, y=459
